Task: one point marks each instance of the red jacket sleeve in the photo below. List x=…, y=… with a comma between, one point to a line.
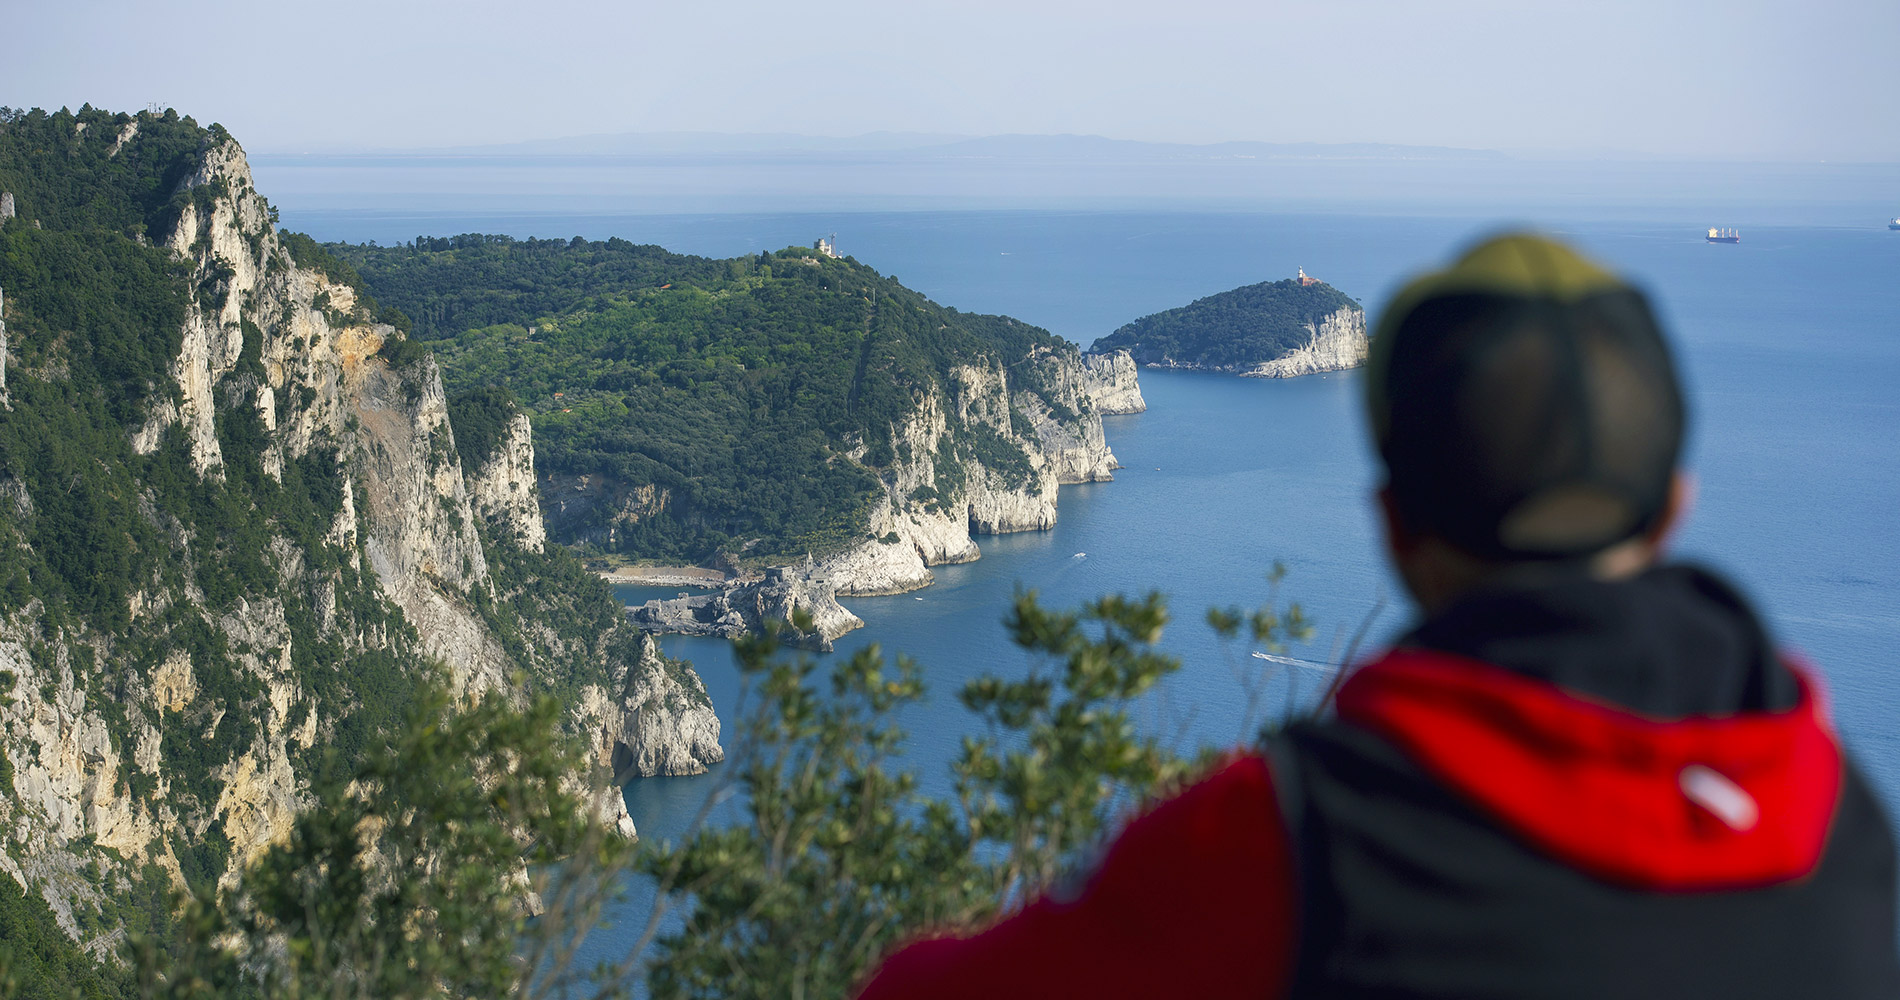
x=1195, y=899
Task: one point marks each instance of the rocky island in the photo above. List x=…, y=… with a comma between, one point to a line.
x=1274, y=329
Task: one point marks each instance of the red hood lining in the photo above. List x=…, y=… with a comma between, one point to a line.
x=1608, y=791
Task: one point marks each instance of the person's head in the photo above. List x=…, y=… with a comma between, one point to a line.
x=1529, y=418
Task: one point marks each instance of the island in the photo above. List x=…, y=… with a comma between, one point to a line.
x=1274, y=329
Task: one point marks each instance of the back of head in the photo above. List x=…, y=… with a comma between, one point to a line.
x=1525, y=404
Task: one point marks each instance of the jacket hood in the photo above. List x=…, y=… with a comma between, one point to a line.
x=1689, y=803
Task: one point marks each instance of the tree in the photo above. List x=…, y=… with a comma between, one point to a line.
x=842, y=857
x=415, y=877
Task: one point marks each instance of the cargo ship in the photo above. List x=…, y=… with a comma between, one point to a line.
x=1725, y=236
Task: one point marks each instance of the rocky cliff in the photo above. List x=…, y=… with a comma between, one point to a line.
x=1112, y=382
x=745, y=606
x=303, y=543
x=503, y=489
x=1338, y=341
x=983, y=456
x=666, y=723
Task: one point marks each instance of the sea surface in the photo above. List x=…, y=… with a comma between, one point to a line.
x=1790, y=342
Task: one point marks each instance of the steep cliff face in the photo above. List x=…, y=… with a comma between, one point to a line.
x=595, y=507
x=503, y=490
x=983, y=453
x=1112, y=381
x=181, y=727
x=1337, y=342
x=664, y=723
x=982, y=456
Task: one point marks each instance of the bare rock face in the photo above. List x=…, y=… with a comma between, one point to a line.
x=660, y=721
x=596, y=507
x=985, y=456
x=6, y=205
x=3, y=339
x=1112, y=381
x=504, y=493
x=1338, y=342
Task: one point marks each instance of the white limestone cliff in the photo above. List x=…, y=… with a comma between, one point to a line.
x=983, y=454
x=1336, y=343
x=503, y=491
x=1112, y=381
x=941, y=492
x=658, y=722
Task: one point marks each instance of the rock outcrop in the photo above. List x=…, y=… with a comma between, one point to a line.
x=985, y=456
x=503, y=490
x=1111, y=379
x=982, y=455
x=1338, y=342
x=780, y=594
x=660, y=721
x=572, y=504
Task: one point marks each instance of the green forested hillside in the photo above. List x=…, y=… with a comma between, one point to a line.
x=738, y=386
x=1242, y=327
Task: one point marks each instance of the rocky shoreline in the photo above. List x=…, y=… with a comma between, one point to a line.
x=931, y=510
x=744, y=607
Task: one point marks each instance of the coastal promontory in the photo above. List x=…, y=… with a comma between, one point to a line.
x=801, y=423
x=1273, y=329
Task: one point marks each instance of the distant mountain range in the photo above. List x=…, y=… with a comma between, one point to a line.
x=932, y=145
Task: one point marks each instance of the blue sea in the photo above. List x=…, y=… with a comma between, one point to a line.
x=1790, y=341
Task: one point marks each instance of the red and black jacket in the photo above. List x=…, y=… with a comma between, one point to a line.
x=1576, y=789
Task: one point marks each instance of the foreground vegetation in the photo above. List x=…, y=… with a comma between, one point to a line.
x=839, y=856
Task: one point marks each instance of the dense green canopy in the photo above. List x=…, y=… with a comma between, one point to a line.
x=1240, y=328
x=759, y=392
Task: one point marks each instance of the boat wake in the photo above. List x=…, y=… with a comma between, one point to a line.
x=1293, y=661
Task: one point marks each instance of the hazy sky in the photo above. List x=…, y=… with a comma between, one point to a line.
x=1724, y=79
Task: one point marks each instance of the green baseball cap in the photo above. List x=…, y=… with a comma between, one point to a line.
x=1524, y=403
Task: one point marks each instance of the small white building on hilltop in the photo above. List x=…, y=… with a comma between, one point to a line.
x=829, y=247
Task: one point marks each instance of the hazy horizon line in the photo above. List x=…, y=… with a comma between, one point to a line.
x=674, y=142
